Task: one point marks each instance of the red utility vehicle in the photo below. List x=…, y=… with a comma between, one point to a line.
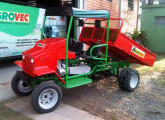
x=55, y=62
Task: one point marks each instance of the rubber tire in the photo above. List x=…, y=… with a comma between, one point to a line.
x=125, y=77
x=14, y=86
x=38, y=90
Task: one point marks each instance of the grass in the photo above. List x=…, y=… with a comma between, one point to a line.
x=157, y=71
x=9, y=114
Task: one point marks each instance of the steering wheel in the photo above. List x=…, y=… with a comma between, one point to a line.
x=73, y=41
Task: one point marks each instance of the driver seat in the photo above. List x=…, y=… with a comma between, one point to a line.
x=77, y=49
x=95, y=53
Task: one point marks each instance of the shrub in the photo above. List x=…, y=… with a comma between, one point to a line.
x=140, y=37
x=146, y=41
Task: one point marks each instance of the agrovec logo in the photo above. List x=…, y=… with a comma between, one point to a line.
x=14, y=17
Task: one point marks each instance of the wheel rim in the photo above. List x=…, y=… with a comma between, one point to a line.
x=23, y=87
x=48, y=98
x=134, y=81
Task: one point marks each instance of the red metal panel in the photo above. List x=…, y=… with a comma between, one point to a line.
x=19, y=63
x=139, y=53
x=120, y=45
x=45, y=55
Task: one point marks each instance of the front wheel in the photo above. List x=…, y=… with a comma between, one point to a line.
x=128, y=79
x=46, y=97
x=20, y=87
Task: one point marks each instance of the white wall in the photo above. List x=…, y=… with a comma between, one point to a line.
x=81, y=5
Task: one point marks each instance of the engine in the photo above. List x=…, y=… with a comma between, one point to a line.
x=75, y=69
x=61, y=68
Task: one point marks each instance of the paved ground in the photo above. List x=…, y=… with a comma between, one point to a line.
x=63, y=112
x=6, y=92
x=7, y=71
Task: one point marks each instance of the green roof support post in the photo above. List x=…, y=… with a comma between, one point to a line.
x=67, y=39
x=74, y=28
x=43, y=27
x=107, y=39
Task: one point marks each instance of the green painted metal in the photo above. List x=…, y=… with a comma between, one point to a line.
x=102, y=67
x=153, y=31
x=35, y=81
x=32, y=83
x=74, y=28
x=43, y=27
x=78, y=81
x=106, y=53
x=115, y=71
x=67, y=39
x=96, y=47
x=85, y=74
x=101, y=55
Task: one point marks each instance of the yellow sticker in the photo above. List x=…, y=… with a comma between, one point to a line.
x=138, y=51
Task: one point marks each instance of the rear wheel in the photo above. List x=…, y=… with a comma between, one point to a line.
x=46, y=97
x=20, y=87
x=128, y=79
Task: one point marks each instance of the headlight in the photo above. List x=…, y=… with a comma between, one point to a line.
x=23, y=56
x=32, y=60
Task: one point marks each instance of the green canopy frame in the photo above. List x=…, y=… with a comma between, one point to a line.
x=91, y=13
x=88, y=14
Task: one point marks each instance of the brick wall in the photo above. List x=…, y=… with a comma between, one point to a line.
x=130, y=17
x=113, y=7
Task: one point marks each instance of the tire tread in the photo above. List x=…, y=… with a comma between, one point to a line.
x=124, y=79
x=14, y=87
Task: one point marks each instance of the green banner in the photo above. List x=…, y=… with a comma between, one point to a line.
x=20, y=28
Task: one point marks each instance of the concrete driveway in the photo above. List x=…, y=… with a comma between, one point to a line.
x=7, y=71
x=63, y=111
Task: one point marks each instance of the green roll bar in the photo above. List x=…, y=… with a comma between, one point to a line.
x=106, y=53
x=67, y=39
x=107, y=39
x=92, y=50
x=75, y=28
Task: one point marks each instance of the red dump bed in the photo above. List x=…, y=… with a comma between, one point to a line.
x=120, y=45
